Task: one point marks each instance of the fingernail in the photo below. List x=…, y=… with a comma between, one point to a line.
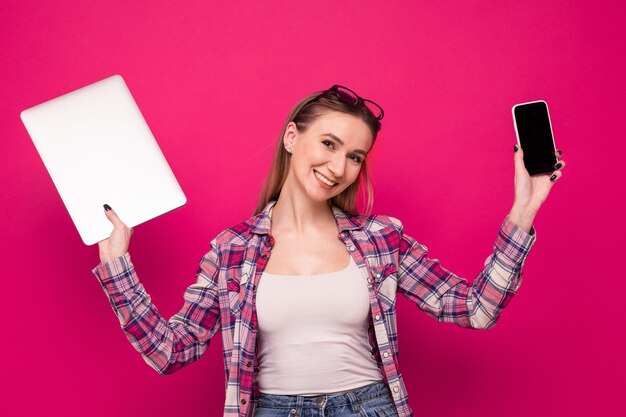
x=515, y=148
x=553, y=177
x=557, y=166
x=107, y=207
x=560, y=153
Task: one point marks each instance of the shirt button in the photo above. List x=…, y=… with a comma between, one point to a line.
x=369, y=280
x=386, y=354
x=243, y=401
x=352, y=248
x=377, y=317
x=396, y=389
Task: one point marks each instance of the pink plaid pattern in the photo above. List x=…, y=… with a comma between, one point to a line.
x=223, y=295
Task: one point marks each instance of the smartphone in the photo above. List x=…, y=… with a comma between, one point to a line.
x=534, y=135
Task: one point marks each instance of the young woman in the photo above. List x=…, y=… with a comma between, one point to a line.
x=304, y=291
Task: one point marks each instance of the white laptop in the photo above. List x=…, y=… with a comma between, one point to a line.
x=98, y=149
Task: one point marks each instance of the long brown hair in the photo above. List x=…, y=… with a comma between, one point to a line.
x=303, y=114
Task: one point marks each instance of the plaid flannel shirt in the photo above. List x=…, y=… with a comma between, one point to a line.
x=223, y=297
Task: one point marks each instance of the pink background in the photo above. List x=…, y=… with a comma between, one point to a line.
x=215, y=83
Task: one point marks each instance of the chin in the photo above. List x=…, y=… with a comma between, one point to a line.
x=321, y=196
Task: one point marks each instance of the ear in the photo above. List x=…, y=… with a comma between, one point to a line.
x=291, y=133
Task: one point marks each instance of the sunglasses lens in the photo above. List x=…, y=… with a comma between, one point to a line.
x=347, y=96
x=374, y=109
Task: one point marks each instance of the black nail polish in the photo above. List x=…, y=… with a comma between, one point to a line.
x=553, y=177
x=560, y=153
x=515, y=148
x=107, y=207
x=557, y=166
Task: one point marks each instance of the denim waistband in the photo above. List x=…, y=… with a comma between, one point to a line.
x=352, y=397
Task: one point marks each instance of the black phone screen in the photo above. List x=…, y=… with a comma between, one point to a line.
x=535, y=136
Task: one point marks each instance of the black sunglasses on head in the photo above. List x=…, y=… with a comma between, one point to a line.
x=350, y=97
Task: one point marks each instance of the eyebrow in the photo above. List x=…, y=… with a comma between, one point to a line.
x=335, y=137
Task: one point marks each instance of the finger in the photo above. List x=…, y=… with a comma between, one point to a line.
x=555, y=176
x=558, y=153
x=519, y=158
x=112, y=216
x=559, y=165
x=132, y=230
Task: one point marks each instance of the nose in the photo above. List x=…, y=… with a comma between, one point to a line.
x=337, y=165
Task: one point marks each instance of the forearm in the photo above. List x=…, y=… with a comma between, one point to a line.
x=165, y=345
x=449, y=298
x=494, y=287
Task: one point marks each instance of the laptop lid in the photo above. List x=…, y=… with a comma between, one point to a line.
x=98, y=149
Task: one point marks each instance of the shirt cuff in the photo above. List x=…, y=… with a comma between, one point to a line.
x=118, y=275
x=513, y=241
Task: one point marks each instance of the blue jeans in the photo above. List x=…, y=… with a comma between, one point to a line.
x=373, y=400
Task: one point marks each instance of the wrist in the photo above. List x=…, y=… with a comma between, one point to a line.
x=523, y=216
x=109, y=257
x=105, y=259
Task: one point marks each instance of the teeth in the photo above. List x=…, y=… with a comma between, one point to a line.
x=323, y=179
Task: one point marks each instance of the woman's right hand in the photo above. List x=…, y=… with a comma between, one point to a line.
x=117, y=244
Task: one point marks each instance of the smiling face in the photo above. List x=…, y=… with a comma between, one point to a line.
x=328, y=155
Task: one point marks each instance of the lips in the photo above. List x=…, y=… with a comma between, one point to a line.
x=324, y=179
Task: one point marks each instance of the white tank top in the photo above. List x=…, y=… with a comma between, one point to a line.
x=312, y=336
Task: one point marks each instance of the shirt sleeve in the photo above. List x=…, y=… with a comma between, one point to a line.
x=165, y=345
x=449, y=298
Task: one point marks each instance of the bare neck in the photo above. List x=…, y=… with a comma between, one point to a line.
x=300, y=216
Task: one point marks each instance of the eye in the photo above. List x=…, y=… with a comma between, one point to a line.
x=356, y=159
x=328, y=142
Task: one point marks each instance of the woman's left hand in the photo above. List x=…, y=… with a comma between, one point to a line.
x=532, y=191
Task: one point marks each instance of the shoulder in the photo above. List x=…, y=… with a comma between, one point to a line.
x=387, y=233
x=378, y=222
x=367, y=223
x=239, y=234
x=381, y=234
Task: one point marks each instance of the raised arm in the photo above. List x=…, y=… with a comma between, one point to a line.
x=449, y=298
x=165, y=345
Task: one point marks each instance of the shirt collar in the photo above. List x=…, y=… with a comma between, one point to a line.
x=262, y=222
